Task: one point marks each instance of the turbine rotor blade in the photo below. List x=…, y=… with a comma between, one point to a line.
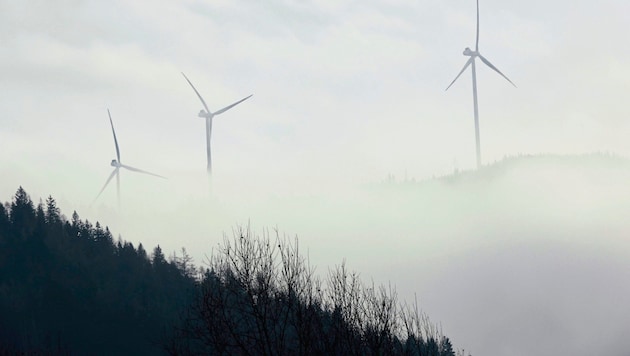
x=106, y=183
x=114, y=132
x=477, y=40
x=196, y=92
x=487, y=62
x=140, y=170
x=469, y=62
x=231, y=106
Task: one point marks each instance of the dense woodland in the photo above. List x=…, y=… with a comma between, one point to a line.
x=67, y=287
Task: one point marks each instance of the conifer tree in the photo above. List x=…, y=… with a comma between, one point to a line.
x=22, y=214
x=53, y=214
x=158, y=256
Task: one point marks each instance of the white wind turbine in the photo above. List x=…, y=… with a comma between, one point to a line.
x=118, y=165
x=208, y=116
x=471, y=62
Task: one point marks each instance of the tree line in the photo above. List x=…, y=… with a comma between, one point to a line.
x=67, y=287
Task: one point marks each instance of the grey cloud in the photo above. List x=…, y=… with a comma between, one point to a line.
x=304, y=20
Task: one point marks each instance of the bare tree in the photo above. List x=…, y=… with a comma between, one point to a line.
x=261, y=297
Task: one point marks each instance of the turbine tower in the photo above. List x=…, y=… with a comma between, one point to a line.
x=118, y=165
x=208, y=116
x=471, y=62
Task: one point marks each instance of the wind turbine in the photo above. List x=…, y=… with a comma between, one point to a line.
x=471, y=62
x=118, y=165
x=208, y=116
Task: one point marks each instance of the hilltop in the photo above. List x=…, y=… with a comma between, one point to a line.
x=526, y=248
x=525, y=164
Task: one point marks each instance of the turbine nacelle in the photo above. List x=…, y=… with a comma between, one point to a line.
x=204, y=114
x=115, y=163
x=470, y=53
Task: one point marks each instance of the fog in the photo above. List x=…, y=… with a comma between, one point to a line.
x=351, y=144
x=530, y=248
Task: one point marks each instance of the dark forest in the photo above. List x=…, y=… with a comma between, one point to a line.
x=68, y=287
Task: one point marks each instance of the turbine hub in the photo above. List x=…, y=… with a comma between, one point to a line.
x=115, y=163
x=470, y=53
x=204, y=114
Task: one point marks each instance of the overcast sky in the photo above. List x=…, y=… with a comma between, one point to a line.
x=345, y=93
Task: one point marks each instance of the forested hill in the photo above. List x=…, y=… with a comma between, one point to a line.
x=67, y=287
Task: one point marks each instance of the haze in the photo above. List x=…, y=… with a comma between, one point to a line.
x=529, y=258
